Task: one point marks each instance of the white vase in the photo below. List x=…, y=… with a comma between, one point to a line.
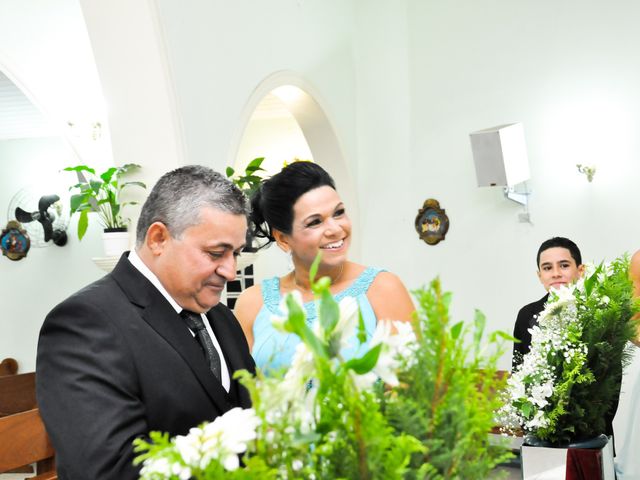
x=551, y=463
x=115, y=243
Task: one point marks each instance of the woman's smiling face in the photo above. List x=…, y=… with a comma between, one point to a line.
x=320, y=223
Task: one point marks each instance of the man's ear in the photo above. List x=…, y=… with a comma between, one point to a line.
x=581, y=270
x=539, y=276
x=157, y=237
x=282, y=240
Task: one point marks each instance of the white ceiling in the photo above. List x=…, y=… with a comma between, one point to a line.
x=19, y=118
x=271, y=107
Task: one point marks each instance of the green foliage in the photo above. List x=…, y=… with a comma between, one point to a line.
x=605, y=312
x=250, y=180
x=447, y=395
x=567, y=384
x=101, y=194
x=329, y=418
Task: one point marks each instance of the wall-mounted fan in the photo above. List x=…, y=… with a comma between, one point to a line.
x=42, y=216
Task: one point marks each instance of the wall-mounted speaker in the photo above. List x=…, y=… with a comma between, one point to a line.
x=500, y=155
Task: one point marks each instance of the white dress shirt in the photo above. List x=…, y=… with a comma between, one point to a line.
x=137, y=262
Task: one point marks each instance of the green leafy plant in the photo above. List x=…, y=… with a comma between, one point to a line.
x=448, y=392
x=329, y=417
x=566, y=385
x=101, y=194
x=250, y=180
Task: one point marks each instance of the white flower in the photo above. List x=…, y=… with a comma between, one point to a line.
x=348, y=321
x=223, y=439
x=538, y=421
x=397, y=339
x=161, y=467
x=589, y=269
x=540, y=393
x=300, y=372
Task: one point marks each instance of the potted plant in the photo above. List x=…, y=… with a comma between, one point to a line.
x=100, y=193
x=328, y=417
x=569, y=381
x=250, y=181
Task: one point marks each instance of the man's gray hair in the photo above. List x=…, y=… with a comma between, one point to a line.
x=178, y=197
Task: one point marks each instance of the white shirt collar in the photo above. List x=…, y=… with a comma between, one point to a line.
x=137, y=262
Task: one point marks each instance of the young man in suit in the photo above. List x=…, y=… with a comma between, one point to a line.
x=559, y=263
x=148, y=346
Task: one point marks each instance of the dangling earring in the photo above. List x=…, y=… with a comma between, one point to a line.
x=290, y=265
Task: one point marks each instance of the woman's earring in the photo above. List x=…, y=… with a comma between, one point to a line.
x=290, y=265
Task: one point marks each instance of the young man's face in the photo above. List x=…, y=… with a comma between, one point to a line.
x=557, y=267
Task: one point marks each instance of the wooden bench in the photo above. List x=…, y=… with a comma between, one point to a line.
x=17, y=393
x=22, y=435
x=24, y=441
x=8, y=366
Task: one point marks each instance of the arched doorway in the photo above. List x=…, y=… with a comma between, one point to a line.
x=284, y=120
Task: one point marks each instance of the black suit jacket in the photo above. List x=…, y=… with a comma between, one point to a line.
x=115, y=361
x=527, y=318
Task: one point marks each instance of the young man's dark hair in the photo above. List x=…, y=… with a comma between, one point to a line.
x=560, y=242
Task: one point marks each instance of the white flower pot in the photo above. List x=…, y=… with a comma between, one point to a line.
x=115, y=243
x=554, y=463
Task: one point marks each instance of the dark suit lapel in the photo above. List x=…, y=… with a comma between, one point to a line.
x=223, y=331
x=161, y=316
x=537, y=309
x=225, y=327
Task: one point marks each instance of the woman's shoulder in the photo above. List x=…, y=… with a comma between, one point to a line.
x=390, y=298
x=386, y=282
x=360, y=280
x=248, y=305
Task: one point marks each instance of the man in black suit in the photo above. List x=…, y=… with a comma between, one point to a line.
x=559, y=263
x=148, y=346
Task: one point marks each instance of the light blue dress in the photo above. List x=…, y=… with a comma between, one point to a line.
x=273, y=350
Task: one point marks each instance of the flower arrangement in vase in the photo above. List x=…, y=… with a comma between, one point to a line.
x=567, y=384
x=328, y=417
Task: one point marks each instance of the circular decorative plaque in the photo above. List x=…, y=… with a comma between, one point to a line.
x=432, y=224
x=14, y=241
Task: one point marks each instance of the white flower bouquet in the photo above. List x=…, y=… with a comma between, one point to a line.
x=328, y=417
x=569, y=382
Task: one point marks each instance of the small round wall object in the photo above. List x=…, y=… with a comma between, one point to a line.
x=14, y=241
x=432, y=223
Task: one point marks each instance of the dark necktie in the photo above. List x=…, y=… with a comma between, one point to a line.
x=195, y=323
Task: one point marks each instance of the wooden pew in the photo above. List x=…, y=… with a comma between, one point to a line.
x=8, y=366
x=17, y=393
x=25, y=441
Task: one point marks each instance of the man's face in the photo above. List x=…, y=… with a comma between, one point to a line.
x=557, y=267
x=195, y=267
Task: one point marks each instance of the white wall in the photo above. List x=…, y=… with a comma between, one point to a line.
x=570, y=72
x=45, y=50
x=404, y=82
x=278, y=140
x=35, y=284
x=221, y=51
x=128, y=46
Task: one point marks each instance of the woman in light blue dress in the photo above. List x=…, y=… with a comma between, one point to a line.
x=300, y=210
